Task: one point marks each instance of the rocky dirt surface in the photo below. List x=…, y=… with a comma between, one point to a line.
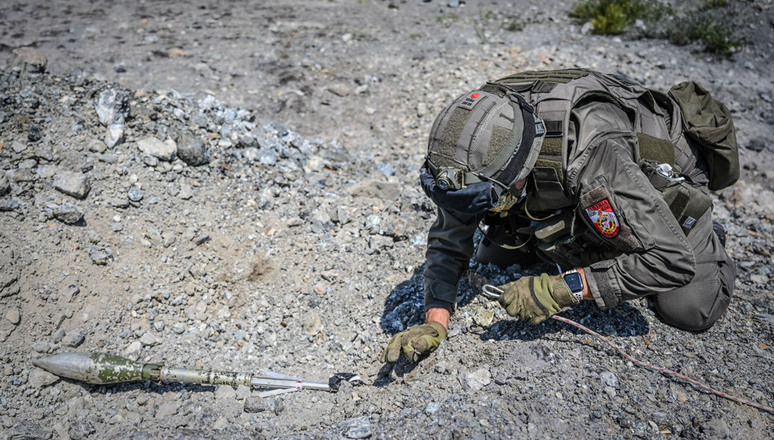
x=233, y=186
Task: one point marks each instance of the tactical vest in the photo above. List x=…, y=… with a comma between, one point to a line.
x=555, y=93
x=656, y=121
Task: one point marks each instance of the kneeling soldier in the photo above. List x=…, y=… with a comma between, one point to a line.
x=603, y=177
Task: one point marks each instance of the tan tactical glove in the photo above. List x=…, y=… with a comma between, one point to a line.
x=535, y=299
x=415, y=342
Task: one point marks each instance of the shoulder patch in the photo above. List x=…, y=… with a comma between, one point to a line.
x=604, y=218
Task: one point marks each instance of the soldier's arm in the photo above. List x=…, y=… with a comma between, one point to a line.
x=657, y=256
x=449, y=249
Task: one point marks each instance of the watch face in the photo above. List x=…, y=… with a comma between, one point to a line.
x=574, y=281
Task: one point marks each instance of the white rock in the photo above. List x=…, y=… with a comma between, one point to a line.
x=13, y=315
x=149, y=340
x=163, y=150
x=41, y=378
x=478, y=379
x=132, y=351
x=72, y=184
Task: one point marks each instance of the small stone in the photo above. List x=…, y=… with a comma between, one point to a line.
x=243, y=392
x=24, y=174
x=158, y=325
x=484, y=318
x=192, y=150
x=68, y=213
x=72, y=184
x=8, y=205
x=225, y=392
x=112, y=105
x=69, y=293
x=756, y=145
x=135, y=194
x=432, y=408
x=41, y=378
x=74, y=338
x=186, y=192
x=154, y=236
x=340, y=89
x=39, y=346
x=114, y=135
x=118, y=202
x=255, y=405
x=609, y=379
x=5, y=184
x=18, y=147
x=173, y=189
x=28, y=60
x=28, y=431
x=81, y=429
x=100, y=257
x=201, y=239
x=150, y=161
x=478, y=379
x=133, y=350
x=421, y=109
x=716, y=428
x=313, y=324
x=166, y=410
x=97, y=146
x=163, y=150
x=13, y=315
x=359, y=427
x=58, y=335
x=149, y=340
x=220, y=424
x=279, y=406
x=178, y=328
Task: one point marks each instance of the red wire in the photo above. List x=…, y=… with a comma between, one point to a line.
x=663, y=370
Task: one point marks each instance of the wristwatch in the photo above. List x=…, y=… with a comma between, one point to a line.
x=574, y=281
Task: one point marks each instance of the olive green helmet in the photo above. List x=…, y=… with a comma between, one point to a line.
x=485, y=141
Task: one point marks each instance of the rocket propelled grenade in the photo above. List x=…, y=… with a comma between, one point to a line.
x=102, y=368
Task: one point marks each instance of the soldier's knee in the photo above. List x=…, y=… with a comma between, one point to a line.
x=699, y=305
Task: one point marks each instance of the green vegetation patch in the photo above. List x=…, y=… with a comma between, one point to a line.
x=613, y=17
x=656, y=19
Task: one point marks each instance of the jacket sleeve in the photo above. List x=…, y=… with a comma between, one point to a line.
x=621, y=207
x=449, y=249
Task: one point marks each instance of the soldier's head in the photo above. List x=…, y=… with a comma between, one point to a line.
x=484, y=144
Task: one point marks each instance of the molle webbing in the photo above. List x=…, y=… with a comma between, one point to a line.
x=554, y=76
x=548, y=172
x=687, y=203
x=651, y=148
x=655, y=149
x=550, y=157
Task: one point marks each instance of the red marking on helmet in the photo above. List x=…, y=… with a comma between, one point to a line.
x=475, y=95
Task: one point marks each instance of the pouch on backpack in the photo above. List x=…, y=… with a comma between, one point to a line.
x=708, y=123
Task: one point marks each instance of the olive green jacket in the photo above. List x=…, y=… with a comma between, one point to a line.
x=613, y=203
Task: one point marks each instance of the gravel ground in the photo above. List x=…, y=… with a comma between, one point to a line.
x=233, y=186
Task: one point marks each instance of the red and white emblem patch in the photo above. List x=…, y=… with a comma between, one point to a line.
x=604, y=219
